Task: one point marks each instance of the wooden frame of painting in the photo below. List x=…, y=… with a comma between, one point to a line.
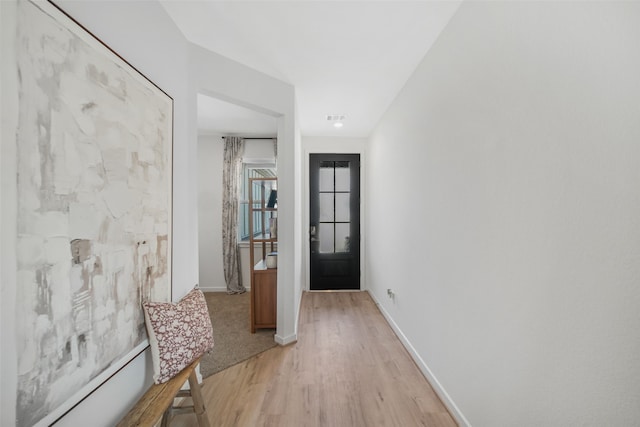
x=94, y=187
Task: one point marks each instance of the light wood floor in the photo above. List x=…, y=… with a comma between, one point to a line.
x=347, y=369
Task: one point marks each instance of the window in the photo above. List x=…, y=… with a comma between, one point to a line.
x=250, y=171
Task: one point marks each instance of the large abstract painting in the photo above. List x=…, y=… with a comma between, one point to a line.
x=94, y=147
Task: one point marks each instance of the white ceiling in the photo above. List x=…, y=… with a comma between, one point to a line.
x=219, y=117
x=343, y=57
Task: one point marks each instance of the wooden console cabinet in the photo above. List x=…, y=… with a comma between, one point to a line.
x=264, y=295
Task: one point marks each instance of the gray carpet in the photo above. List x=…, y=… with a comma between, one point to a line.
x=233, y=340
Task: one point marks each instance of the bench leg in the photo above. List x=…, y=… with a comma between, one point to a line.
x=198, y=402
x=166, y=418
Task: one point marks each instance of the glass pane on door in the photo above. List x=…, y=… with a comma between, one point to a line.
x=327, y=208
x=326, y=176
x=342, y=176
x=342, y=207
x=326, y=237
x=342, y=238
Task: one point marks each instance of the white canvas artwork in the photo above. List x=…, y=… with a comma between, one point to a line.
x=94, y=145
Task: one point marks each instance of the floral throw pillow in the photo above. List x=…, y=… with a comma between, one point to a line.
x=179, y=333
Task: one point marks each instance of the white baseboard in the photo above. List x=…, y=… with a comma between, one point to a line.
x=437, y=387
x=286, y=340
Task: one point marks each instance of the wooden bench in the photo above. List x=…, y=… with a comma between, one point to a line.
x=157, y=402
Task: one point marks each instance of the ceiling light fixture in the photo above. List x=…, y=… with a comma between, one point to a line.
x=336, y=119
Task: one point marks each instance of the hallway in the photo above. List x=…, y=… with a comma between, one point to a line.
x=347, y=369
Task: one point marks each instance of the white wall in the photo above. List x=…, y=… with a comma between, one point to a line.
x=143, y=34
x=332, y=144
x=503, y=210
x=210, y=160
x=299, y=227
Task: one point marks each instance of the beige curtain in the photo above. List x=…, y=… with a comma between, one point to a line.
x=232, y=169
